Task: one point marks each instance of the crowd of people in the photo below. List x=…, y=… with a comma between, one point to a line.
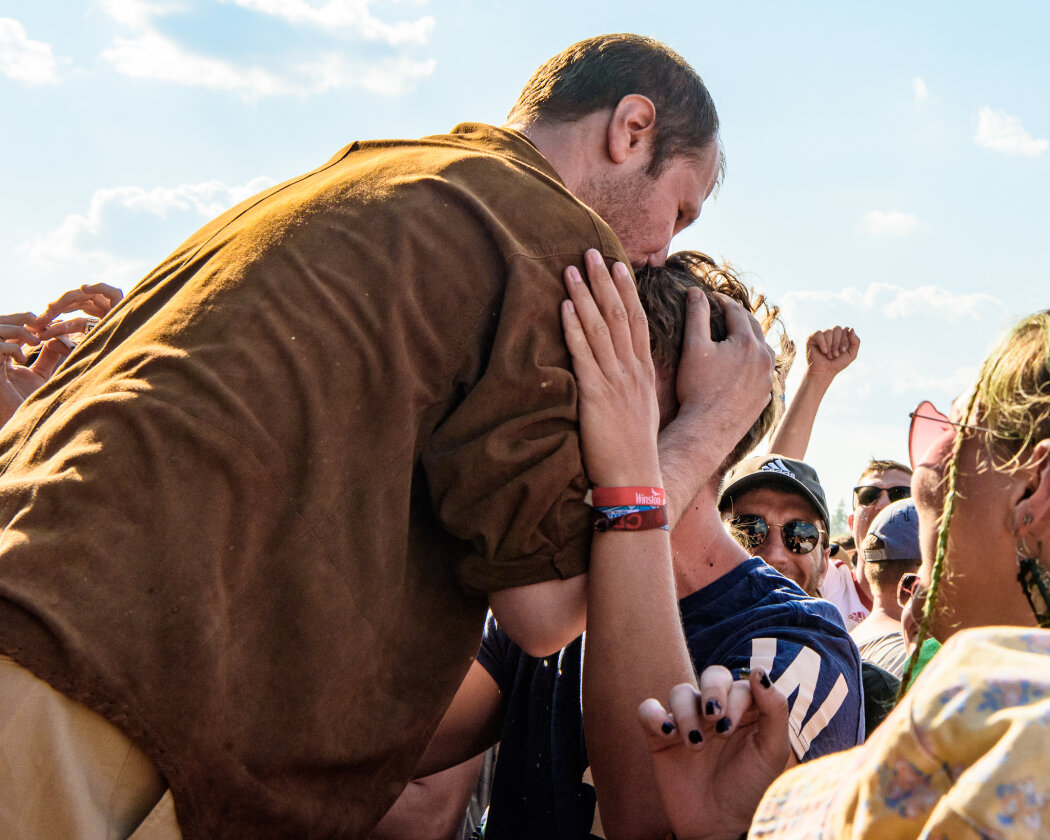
x=418, y=497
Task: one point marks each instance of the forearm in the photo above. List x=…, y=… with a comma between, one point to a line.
x=691, y=451
x=431, y=808
x=635, y=649
x=470, y=725
x=791, y=437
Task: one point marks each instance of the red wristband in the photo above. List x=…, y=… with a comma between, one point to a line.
x=646, y=519
x=616, y=496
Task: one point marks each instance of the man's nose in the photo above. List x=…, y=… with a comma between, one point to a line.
x=774, y=552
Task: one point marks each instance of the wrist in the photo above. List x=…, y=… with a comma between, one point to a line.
x=640, y=473
x=815, y=379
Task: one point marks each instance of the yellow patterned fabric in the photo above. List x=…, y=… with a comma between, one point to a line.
x=962, y=756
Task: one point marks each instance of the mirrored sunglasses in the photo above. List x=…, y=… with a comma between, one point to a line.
x=869, y=494
x=799, y=536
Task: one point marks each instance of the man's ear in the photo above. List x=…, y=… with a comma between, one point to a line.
x=849, y=523
x=632, y=128
x=1032, y=503
x=827, y=566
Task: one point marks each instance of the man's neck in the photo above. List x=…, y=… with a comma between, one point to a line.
x=884, y=603
x=570, y=147
x=701, y=547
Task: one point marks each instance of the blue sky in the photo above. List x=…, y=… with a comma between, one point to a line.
x=888, y=163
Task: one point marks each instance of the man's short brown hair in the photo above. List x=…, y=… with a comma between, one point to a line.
x=877, y=466
x=884, y=575
x=596, y=74
x=663, y=289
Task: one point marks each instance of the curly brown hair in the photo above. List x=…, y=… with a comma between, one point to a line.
x=663, y=289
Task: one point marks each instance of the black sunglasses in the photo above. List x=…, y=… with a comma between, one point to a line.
x=869, y=494
x=799, y=536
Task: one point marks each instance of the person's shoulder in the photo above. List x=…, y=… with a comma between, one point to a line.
x=785, y=599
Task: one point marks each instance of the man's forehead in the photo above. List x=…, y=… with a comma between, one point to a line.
x=771, y=496
x=885, y=478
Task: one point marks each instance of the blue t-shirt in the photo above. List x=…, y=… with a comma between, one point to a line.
x=751, y=617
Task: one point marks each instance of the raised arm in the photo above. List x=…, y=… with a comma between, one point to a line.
x=635, y=647
x=722, y=387
x=828, y=353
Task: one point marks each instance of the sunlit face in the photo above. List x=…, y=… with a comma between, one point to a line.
x=778, y=506
x=864, y=515
x=646, y=212
x=978, y=585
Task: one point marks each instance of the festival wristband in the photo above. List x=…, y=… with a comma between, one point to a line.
x=631, y=518
x=616, y=496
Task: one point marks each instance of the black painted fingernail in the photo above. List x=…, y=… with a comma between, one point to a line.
x=723, y=725
x=667, y=727
x=695, y=737
x=713, y=707
x=765, y=680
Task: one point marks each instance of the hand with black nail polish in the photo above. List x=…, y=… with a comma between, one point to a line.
x=729, y=741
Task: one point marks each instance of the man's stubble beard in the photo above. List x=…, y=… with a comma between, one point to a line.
x=621, y=202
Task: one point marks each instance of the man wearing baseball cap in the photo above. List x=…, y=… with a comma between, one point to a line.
x=890, y=551
x=773, y=493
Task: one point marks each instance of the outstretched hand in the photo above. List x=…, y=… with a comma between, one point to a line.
x=93, y=299
x=831, y=351
x=608, y=338
x=716, y=751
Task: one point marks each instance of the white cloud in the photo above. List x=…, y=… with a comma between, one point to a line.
x=892, y=223
x=137, y=14
x=894, y=302
x=24, y=59
x=149, y=54
x=956, y=382
x=388, y=76
x=352, y=15
x=922, y=93
x=78, y=246
x=998, y=131
x=152, y=56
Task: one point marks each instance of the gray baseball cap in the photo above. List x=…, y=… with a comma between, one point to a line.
x=772, y=470
x=894, y=534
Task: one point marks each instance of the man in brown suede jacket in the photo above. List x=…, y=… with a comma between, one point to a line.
x=249, y=528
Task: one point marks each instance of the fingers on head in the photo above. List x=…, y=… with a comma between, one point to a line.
x=613, y=290
x=697, y=317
